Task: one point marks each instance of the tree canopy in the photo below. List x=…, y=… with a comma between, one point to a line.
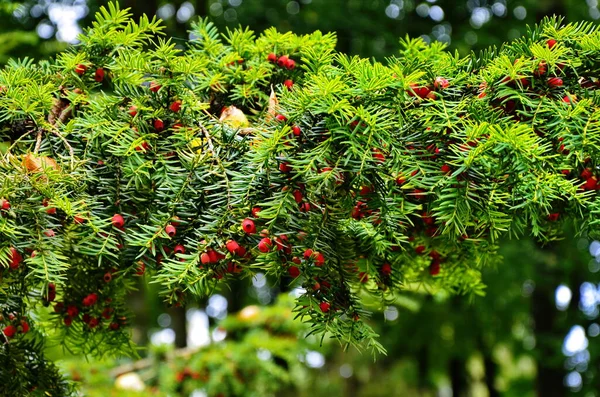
x=128, y=156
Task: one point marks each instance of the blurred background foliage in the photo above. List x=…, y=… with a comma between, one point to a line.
x=535, y=333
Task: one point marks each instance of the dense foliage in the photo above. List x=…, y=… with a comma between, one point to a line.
x=129, y=156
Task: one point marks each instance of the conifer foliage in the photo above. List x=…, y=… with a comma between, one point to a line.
x=130, y=156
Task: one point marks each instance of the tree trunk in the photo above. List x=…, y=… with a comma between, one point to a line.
x=458, y=377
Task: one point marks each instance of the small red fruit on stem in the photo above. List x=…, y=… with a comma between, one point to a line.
x=118, y=221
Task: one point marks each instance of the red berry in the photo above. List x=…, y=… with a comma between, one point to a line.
x=15, y=258
x=232, y=246
x=308, y=254
x=248, y=226
x=445, y=168
x=420, y=249
x=4, y=204
x=132, y=111
x=68, y=321
x=107, y=312
x=93, y=323
x=553, y=217
x=586, y=173
x=265, y=245
x=80, y=69
x=284, y=167
x=541, y=69
x=363, y=277
x=213, y=256
x=378, y=155
x=255, y=212
x=79, y=219
x=290, y=64
x=170, y=230
x=118, y=221
x=386, y=269
x=114, y=326
x=205, y=258
x=24, y=327
x=175, y=106
x=296, y=130
x=297, y=196
x=590, y=183
x=159, y=125
x=551, y=43
x=141, y=269
x=440, y=83
x=324, y=306
x=289, y=84
x=272, y=58
x=282, y=61
x=90, y=299
x=434, y=268
x=400, y=180
x=319, y=259
x=10, y=331
x=281, y=117
x=107, y=277
x=99, y=75
x=49, y=233
x=154, y=86
x=72, y=311
x=179, y=249
x=293, y=271
x=554, y=82
x=421, y=92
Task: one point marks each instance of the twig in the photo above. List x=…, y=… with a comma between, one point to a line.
x=38, y=141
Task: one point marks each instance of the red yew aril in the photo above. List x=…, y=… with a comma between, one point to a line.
x=154, y=86
x=72, y=311
x=590, y=183
x=324, y=306
x=586, y=173
x=363, y=277
x=159, y=125
x=15, y=258
x=284, y=167
x=541, y=69
x=553, y=217
x=232, y=246
x=99, y=75
x=133, y=110
x=290, y=64
x=282, y=61
x=255, y=211
x=445, y=168
x=280, y=117
x=79, y=219
x=265, y=245
x=308, y=254
x=205, y=258
x=421, y=92
x=272, y=57
x=293, y=271
x=386, y=269
x=551, y=43
x=555, y=82
x=289, y=84
x=248, y=226
x=420, y=249
x=107, y=277
x=175, y=106
x=296, y=130
x=434, y=268
x=378, y=155
x=440, y=83
x=179, y=249
x=4, y=204
x=141, y=268
x=297, y=196
x=170, y=230
x=118, y=221
x=80, y=69
x=89, y=300
x=49, y=233
x=68, y=321
x=114, y=326
x=319, y=259
x=10, y=331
